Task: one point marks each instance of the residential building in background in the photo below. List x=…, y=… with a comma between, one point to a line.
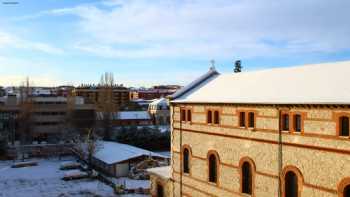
x=92, y=94
x=278, y=132
x=2, y=91
x=155, y=92
x=128, y=118
x=47, y=116
x=160, y=111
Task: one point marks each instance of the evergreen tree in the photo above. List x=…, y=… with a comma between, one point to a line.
x=238, y=66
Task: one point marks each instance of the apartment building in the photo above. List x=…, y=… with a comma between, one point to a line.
x=93, y=94
x=279, y=132
x=48, y=115
x=155, y=92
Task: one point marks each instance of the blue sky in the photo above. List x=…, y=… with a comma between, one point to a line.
x=149, y=42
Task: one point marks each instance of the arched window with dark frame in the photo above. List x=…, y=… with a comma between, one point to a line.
x=213, y=173
x=247, y=178
x=189, y=115
x=285, y=122
x=291, y=184
x=209, y=117
x=186, y=160
x=344, y=126
x=183, y=115
x=160, y=190
x=216, y=117
x=251, y=120
x=297, y=122
x=242, y=119
x=346, y=192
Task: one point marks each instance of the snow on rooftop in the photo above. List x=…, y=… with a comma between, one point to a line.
x=114, y=152
x=133, y=115
x=207, y=76
x=161, y=101
x=161, y=171
x=312, y=84
x=126, y=115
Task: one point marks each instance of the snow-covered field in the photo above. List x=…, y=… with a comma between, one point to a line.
x=44, y=180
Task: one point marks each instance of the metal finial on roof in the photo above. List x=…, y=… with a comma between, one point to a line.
x=212, y=67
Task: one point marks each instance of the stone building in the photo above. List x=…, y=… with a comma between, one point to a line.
x=160, y=111
x=279, y=132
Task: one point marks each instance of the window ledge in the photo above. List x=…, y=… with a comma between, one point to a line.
x=212, y=183
x=186, y=174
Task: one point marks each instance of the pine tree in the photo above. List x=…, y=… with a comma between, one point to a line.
x=238, y=66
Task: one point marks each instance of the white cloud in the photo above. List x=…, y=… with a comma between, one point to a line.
x=14, y=72
x=193, y=28
x=207, y=29
x=8, y=40
x=35, y=80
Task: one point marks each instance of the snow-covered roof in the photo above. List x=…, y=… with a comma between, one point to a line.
x=193, y=85
x=160, y=102
x=133, y=115
x=126, y=115
x=311, y=84
x=114, y=152
x=161, y=171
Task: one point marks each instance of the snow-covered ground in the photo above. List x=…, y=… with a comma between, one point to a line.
x=44, y=180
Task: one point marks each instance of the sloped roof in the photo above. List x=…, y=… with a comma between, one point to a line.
x=133, y=115
x=160, y=102
x=193, y=85
x=126, y=115
x=311, y=84
x=163, y=171
x=114, y=152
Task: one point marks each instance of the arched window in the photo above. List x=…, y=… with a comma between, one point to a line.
x=247, y=178
x=291, y=184
x=216, y=117
x=344, y=126
x=189, y=115
x=209, y=117
x=297, y=123
x=213, y=173
x=285, y=122
x=251, y=120
x=183, y=115
x=186, y=160
x=160, y=190
x=344, y=187
x=346, y=192
x=242, y=119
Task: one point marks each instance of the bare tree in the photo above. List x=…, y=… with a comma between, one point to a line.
x=25, y=115
x=88, y=145
x=105, y=104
